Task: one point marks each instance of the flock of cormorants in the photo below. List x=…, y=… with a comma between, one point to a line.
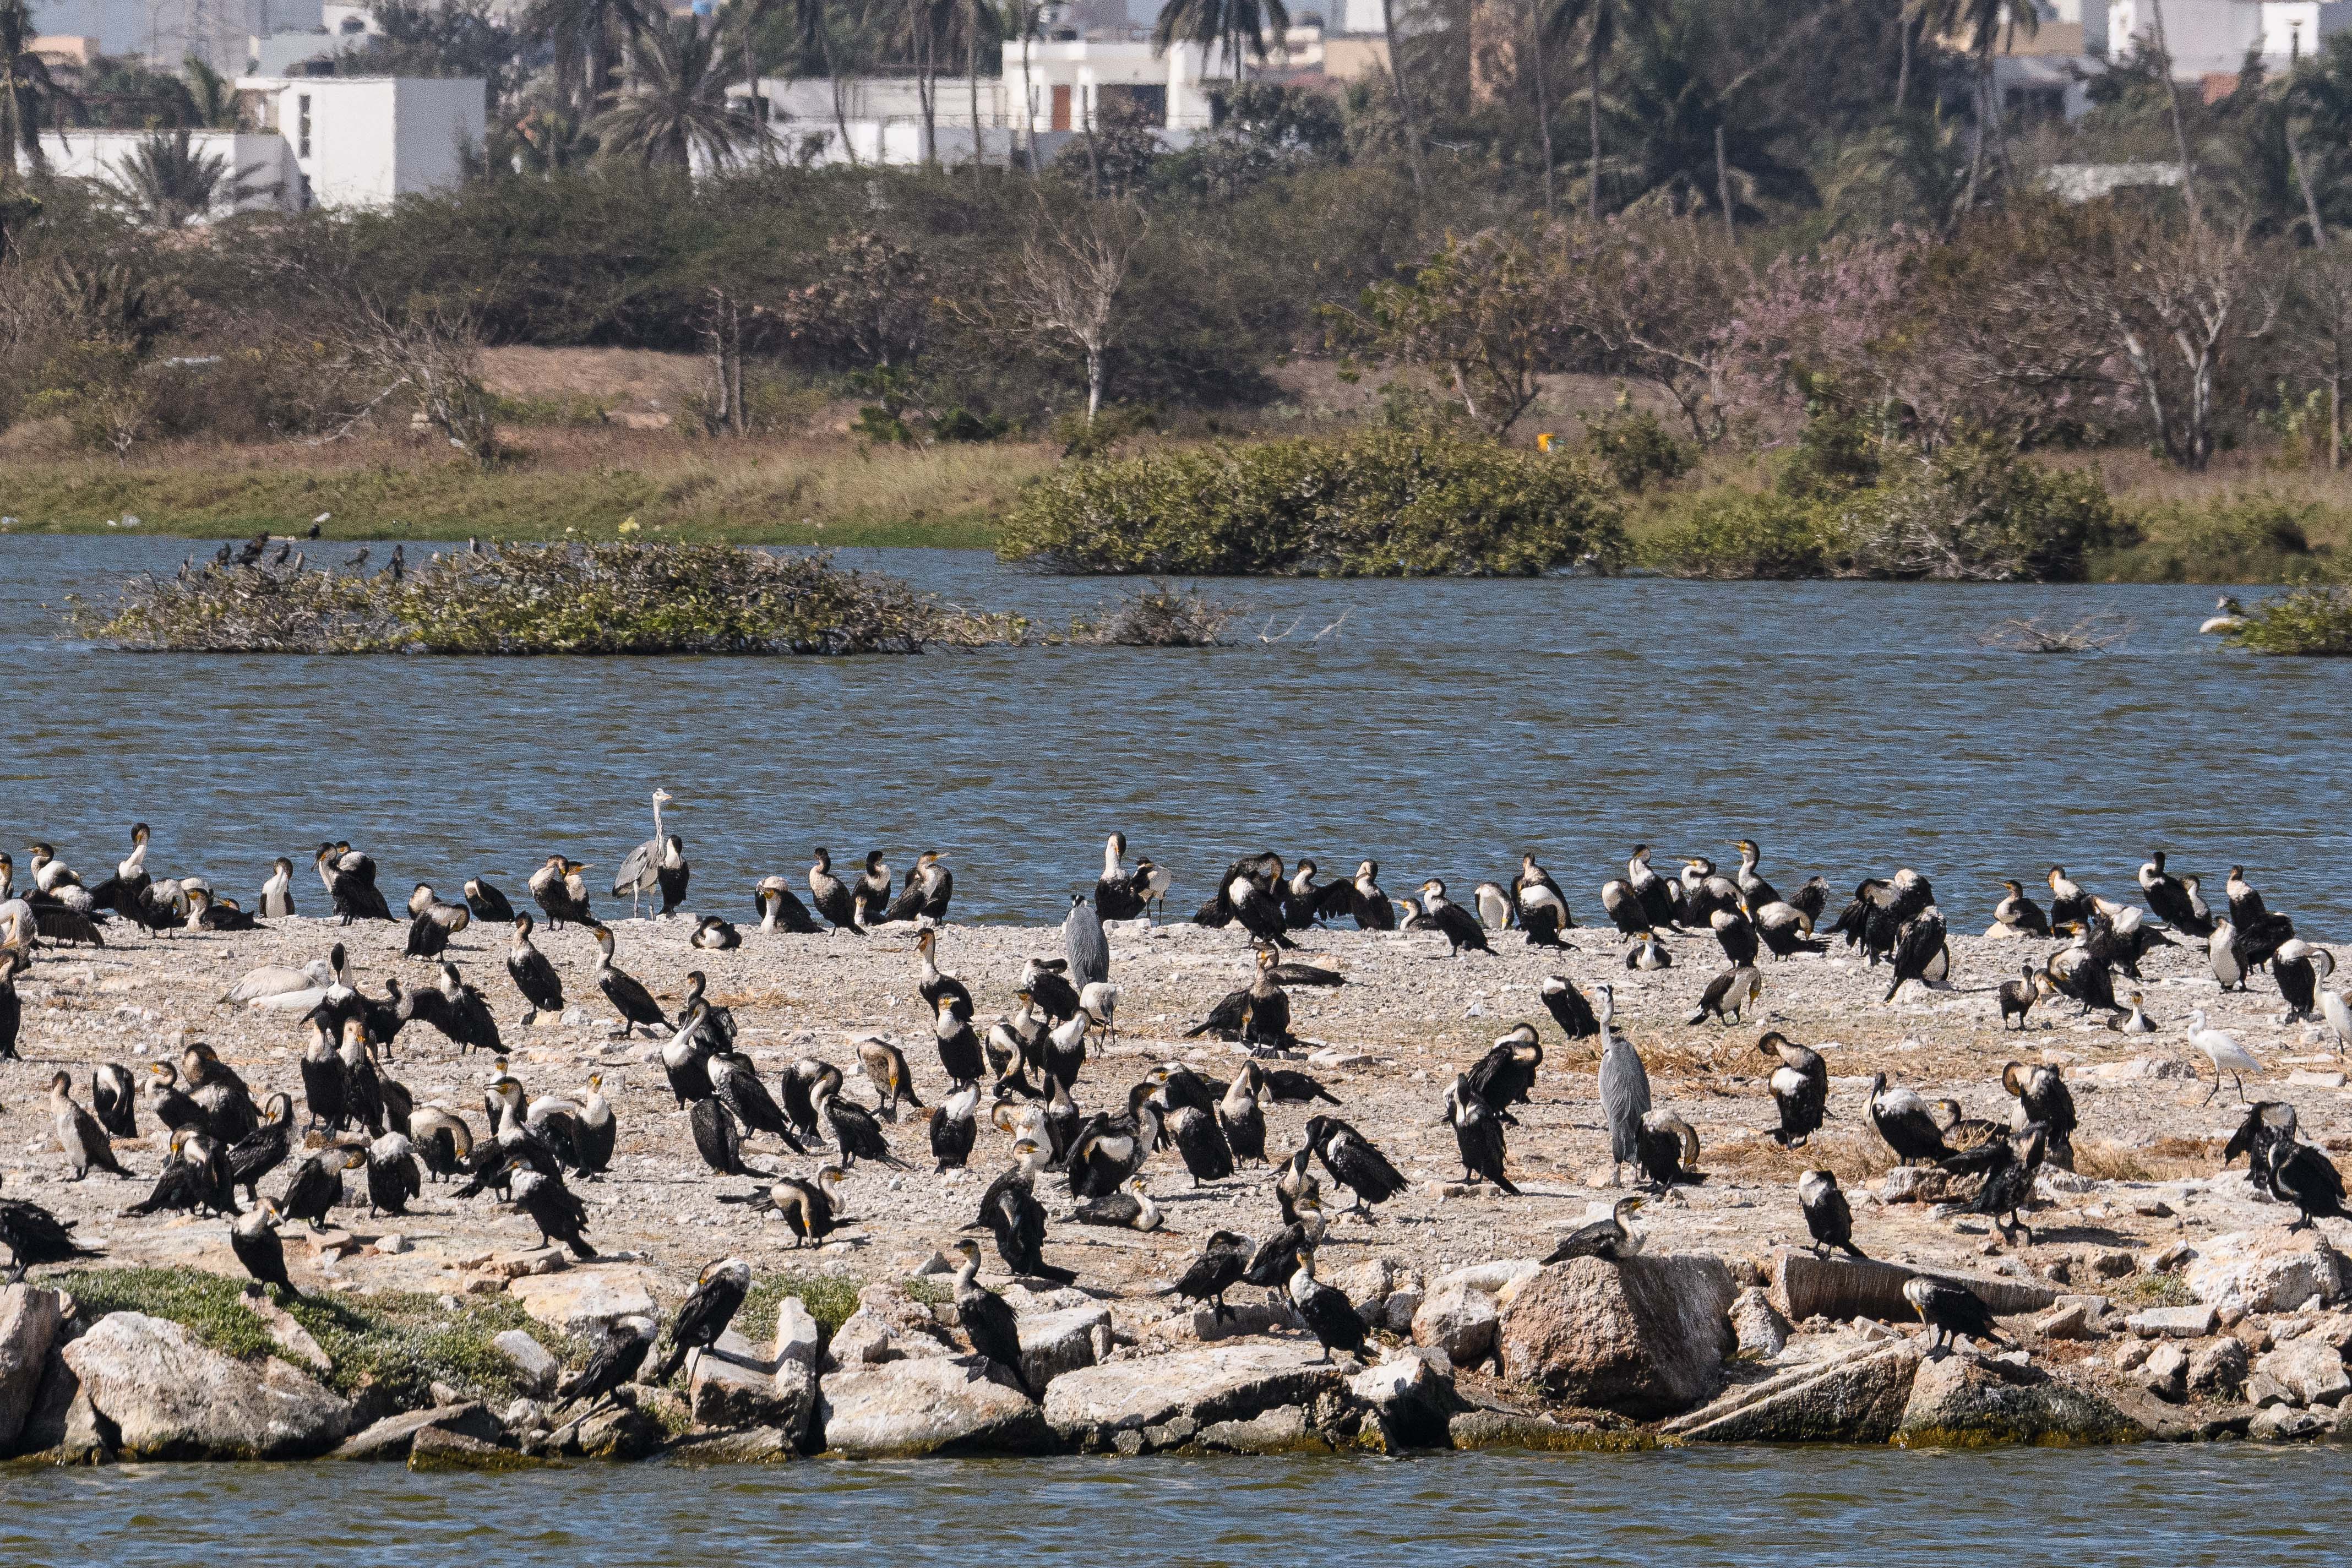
x=1025, y=1068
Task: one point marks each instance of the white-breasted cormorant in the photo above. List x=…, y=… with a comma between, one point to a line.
x=2043, y=1096
x=556, y=1209
x=1459, y=926
x=930, y=886
x=253, y=1239
x=855, y=1132
x=630, y=999
x=954, y=1122
x=1327, y=1312
x=1131, y=1208
x=1800, y=1089
x=831, y=897
x=78, y=1134
x=2298, y=967
x=317, y=1185
x=490, y=906
x=1828, y=1219
x=1727, y=995
x=33, y=1236
x=1119, y=895
x=1611, y=1239
x=115, y=1100
x=1902, y=1118
x=1241, y=1119
x=871, y=893
x=781, y=909
x=706, y=1312
x=1505, y=1075
x=432, y=921
x=712, y=935
x=1201, y=1144
x=1355, y=1161
x=986, y=1319
x=392, y=1175
x=1951, y=1311
x=1218, y=1267
x=349, y=877
x=2017, y=915
x=1477, y=1136
x=561, y=892
x=532, y=974
x=264, y=1149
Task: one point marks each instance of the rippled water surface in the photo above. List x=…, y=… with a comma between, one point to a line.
x=1787, y=1508
x=1440, y=729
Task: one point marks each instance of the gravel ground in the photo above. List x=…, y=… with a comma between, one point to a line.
x=1386, y=1043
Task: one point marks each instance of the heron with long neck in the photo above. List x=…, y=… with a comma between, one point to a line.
x=641, y=872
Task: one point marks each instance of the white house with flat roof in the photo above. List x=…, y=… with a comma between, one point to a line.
x=2212, y=37
x=258, y=171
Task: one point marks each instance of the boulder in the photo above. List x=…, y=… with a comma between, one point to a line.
x=536, y=1369
x=1859, y=1397
x=2070, y=1322
x=1487, y=1429
x=798, y=1338
x=796, y=1390
x=436, y=1449
x=1412, y=1397
x=1284, y=1429
x=2219, y=1370
x=1242, y=1319
x=1160, y=1402
x=394, y=1436
x=1644, y=1338
x=2309, y=1369
x=1398, y=1309
x=586, y=1300
x=2165, y=1374
x=166, y=1396
x=1923, y=1184
x=2263, y=1391
x=889, y=1325
x=1459, y=1320
x=2271, y=1270
x=1959, y=1402
x=2285, y=1424
x=732, y=1385
x=622, y=1433
x=1493, y=1277
x=1840, y=1288
x=930, y=1404
x=28, y=1327
x=748, y=1446
x=1053, y=1343
x=1366, y=1285
x=2171, y=1322
x=1757, y=1326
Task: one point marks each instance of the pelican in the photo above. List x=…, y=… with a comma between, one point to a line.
x=640, y=872
x=2223, y=1052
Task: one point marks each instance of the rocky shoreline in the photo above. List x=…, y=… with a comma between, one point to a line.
x=2162, y=1297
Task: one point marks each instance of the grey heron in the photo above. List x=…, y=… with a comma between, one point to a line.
x=1624, y=1089
x=640, y=873
x=1084, y=944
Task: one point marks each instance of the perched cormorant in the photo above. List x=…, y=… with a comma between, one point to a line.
x=78, y=1134
x=1201, y=1144
x=264, y=1149
x=2171, y=900
x=954, y=1122
x=1326, y=1311
x=855, y=1132
x=1904, y=1120
x=886, y=1069
x=1611, y=1239
x=1648, y=954
x=1951, y=1311
x=712, y=935
x=2304, y=1176
x=1241, y=1119
x=630, y=999
x=1505, y=1075
x=35, y=1237
x=253, y=1238
x=1128, y=1209
x=1727, y=995
x=1460, y=926
x=555, y=1209
x=871, y=891
x=706, y=1312
x=560, y=892
x=1354, y=1161
x=392, y=1177
x=2009, y=1166
x=930, y=886
x=781, y=909
x=317, y=1185
x=115, y=1100
x=830, y=896
x=2018, y=996
x=1223, y=1260
x=1538, y=903
x=611, y=1363
x=490, y=905
x=1477, y=1136
x=807, y=1206
x=2042, y=1097
x=1118, y=896
x=1800, y=1089
x=1919, y=947
x=2017, y=915
x=432, y=921
x=986, y=1318
x=1568, y=1008
x=350, y=879
x=1669, y=1150
x=1828, y=1216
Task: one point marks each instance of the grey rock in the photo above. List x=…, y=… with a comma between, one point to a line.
x=536, y=1368
x=585, y=1300
x=1858, y=1398
x=1412, y=1396
x=930, y=1404
x=1094, y=1407
x=1841, y=1288
x=1398, y=1309
x=796, y=1396
x=733, y=1384
x=889, y=1325
x=1054, y=1343
x=2166, y=1373
x=2271, y=1270
x=2310, y=1369
x=433, y=1449
x=622, y=1433
x=2285, y=1424
x=1757, y=1326
x=1644, y=1338
x=1959, y=1402
x=1284, y=1429
x=28, y=1329
x=748, y=1446
x=2171, y=1322
x=1459, y=1320
x=167, y=1396
x=1243, y=1319
x=1367, y=1285
x=2071, y=1321
x=394, y=1436
x=1488, y=1429
x=2264, y=1391
x=2218, y=1369
x=798, y=1338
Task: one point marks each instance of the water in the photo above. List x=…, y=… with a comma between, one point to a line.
x=1441, y=729
x=1793, y=1508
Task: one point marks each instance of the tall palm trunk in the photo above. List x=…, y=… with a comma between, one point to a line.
x=972, y=78
x=1404, y=97
x=1543, y=100
x=1903, y=71
x=1593, y=65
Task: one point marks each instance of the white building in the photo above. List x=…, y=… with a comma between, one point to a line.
x=2212, y=37
x=365, y=141
x=218, y=32
x=338, y=141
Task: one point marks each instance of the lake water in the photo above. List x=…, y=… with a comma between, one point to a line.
x=2156, y=1506
x=1440, y=729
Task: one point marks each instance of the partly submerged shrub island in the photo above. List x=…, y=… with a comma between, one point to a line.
x=2315, y=622
x=539, y=599
x=1383, y=504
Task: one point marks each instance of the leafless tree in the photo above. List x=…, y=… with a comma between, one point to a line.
x=434, y=353
x=1065, y=288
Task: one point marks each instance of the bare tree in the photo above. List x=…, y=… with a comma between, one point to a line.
x=435, y=354
x=1067, y=287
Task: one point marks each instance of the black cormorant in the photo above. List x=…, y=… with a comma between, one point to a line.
x=488, y=904
x=1354, y=1161
x=1223, y=1260
x=830, y=896
x=1505, y=1075
x=1800, y=1089
x=1477, y=1136
x=1611, y=1239
x=1904, y=1120
x=1459, y=926
x=35, y=1237
x=1828, y=1217
x=1951, y=1311
x=253, y=1239
x=78, y=1134
x=706, y=1312
x=1326, y=1311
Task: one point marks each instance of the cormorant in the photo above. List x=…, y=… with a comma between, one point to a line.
x=712, y=935
x=830, y=896
x=2018, y=996
x=1241, y=1119
x=1369, y=905
x=1223, y=1260
x=1107, y=1150
x=1737, y=936
x=317, y=1185
x=630, y=999
x=432, y=921
x=1611, y=1239
x=35, y=1237
x=392, y=1175
x=264, y=1149
x=555, y=1209
x=2009, y=1166
x=1800, y=1089
x=986, y=1318
x=1904, y=1120
x=886, y=1069
x=1326, y=1311
x=1568, y=1007
x=1669, y=1150
x=1477, y=1136
x=717, y=1139
x=1128, y=1209
x=561, y=893
x=2307, y=1178
x=954, y=1122
x=930, y=886
x=781, y=909
x=1951, y=1311
x=1199, y=1144
x=1786, y=930
x=1827, y=1215
x=1118, y=896
x=1505, y=1075
x=2069, y=904
x=1354, y=1161
x=115, y=1100
x=1919, y=947
x=1459, y=926
x=2043, y=1096
x=937, y=986
x=1727, y=995
x=2298, y=967
x=1648, y=954
x=488, y=904
x=807, y=1207
x=855, y=1132
x=253, y=1238
x=1010, y=1210
x=1540, y=906
x=2017, y=915
x=959, y=1053
x=2169, y=899
x=350, y=879
x=78, y=1134
x=706, y=1312
x=871, y=891
x=609, y=1366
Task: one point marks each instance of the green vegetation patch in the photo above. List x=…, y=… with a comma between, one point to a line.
x=400, y=1343
x=2312, y=623
x=537, y=599
x=1384, y=504
x=830, y=1300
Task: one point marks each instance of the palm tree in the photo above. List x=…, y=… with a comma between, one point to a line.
x=678, y=105
x=812, y=21
x=1702, y=142
x=1226, y=22
x=166, y=183
x=211, y=98
x=29, y=94
x=1020, y=20
x=1601, y=20
x=587, y=37
x=1980, y=22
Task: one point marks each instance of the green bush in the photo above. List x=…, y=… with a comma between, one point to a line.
x=1738, y=535
x=1974, y=512
x=2313, y=623
x=1385, y=503
x=1635, y=449
x=2257, y=538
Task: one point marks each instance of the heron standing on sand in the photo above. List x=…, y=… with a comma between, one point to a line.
x=641, y=873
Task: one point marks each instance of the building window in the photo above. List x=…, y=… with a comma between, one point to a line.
x=303, y=125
